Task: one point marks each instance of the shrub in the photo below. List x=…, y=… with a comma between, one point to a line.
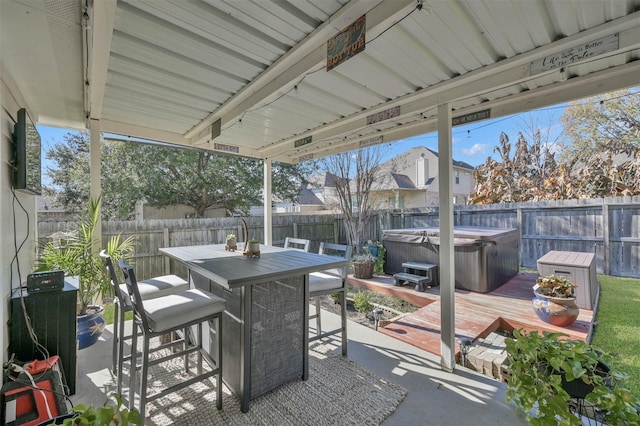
x=362, y=302
x=543, y=369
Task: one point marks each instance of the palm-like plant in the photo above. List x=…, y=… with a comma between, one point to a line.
x=77, y=254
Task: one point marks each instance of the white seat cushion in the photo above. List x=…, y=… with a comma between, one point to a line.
x=157, y=287
x=322, y=281
x=165, y=313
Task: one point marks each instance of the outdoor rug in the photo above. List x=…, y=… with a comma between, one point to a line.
x=339, y=391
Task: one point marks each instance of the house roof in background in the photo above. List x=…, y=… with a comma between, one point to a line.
x=403, y=181
x=324, y=179
x=308, y=197
x=456, y=163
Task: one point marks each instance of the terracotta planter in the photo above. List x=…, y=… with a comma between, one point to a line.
x=363, y=270
x=560, y=311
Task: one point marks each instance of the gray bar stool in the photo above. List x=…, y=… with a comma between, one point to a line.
x=149, y=289
x=173, y=313
x=331, y=281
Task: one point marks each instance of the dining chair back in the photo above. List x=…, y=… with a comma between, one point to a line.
x=180, y=313
x=331, y=281
x=297, y=243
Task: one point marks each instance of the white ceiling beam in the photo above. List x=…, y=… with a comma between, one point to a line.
x=575, y=88
x=124, y=129
x=502, y=74
x=301, y=59
x=102, y=22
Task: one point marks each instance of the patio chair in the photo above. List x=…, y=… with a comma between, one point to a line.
x=149, y=289
x=331, y=281
x=177, y=312
x=297, y=243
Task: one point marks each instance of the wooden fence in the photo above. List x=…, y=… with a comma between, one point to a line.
x=609, y=227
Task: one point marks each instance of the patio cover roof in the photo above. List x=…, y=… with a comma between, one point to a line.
x=170, y=70
x=250, y=77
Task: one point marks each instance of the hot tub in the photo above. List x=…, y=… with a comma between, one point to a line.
x=485, y=258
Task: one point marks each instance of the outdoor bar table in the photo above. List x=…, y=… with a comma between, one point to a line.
x=265, y=328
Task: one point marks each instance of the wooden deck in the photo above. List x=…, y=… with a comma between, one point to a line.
x=476, y=314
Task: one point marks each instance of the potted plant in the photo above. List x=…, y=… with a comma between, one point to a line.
x=113, y=412
x=554, y=286
x=554, y=301
x=363, y=265
x=372, y=247
x=547, y=371
x=378, y=251
x=232, y=243
x=252, y=248
x=77, y=254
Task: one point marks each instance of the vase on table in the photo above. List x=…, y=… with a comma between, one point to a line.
x=232, y=244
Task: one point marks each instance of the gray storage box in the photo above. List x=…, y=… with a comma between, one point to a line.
x=485, y=258
x=577, y=267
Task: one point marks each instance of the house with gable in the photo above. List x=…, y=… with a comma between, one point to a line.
x=409, y=180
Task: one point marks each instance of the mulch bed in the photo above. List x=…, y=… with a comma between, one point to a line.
x=327, y=303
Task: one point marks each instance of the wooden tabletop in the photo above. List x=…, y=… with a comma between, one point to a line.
x=233, y=269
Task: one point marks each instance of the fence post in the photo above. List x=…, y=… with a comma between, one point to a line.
x=520, y=240
x=336, y=233
x=605, y=237
x=166, y=242
x=295, y=230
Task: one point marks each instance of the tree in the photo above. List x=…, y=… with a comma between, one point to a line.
x=353, y=177
x=164, y=176
x=203, y=180
x=199, y=179
x=600, y=158
x=534, y=175
x=530, y=175
x=70, y=180
x=605, y=123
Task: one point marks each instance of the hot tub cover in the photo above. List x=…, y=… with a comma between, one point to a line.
x=462, y=235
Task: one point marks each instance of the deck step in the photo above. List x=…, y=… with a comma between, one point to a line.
x=419, y=280
x=418, y=266
x=422, y=269
x=404, y=276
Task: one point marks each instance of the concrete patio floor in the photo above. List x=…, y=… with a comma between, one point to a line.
x=434, y=397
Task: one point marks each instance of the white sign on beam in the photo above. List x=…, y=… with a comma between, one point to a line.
x=575, y=54
x=371, y=141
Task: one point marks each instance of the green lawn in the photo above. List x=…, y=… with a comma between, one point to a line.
x=618, y=330
x=108, y=314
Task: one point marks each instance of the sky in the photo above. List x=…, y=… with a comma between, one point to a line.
x=472, y=143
